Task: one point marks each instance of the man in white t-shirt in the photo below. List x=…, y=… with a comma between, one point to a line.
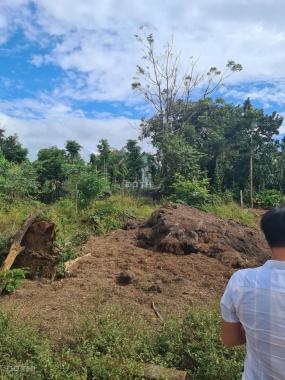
x=253, y=307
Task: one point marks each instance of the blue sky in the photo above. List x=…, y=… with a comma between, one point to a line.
x=67, y=66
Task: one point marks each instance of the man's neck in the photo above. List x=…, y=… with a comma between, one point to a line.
x=278, y=253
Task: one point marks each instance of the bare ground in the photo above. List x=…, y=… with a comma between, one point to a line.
x=114, y=269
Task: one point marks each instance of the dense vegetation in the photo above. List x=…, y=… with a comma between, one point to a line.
x=110, y=343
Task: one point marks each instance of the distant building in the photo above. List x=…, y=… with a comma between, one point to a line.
x=146, y=178
x=145, y=181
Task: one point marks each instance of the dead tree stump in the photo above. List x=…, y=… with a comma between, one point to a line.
x=33, y=248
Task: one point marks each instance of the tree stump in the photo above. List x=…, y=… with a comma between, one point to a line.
x=33, y=248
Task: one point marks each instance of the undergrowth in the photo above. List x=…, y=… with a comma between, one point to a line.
x=73, y=228
x=112, y=343
x=233, y=211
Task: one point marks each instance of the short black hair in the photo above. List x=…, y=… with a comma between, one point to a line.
x=273, y=226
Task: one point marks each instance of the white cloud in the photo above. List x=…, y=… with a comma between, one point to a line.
x=42, y=133
x=92, y=41
x=97, y=38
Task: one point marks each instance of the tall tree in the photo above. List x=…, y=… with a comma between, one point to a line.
x=51, y=170
x=162, y=83
x=134, y=161
x=73, y=149
x=104, y=150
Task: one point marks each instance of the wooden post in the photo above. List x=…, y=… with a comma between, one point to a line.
x=251, y=180
x=241, y=199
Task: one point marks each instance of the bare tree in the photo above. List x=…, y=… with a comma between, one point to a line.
x=161, y=82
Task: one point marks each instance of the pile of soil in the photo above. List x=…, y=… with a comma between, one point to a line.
x=183, y=230
x=192, y=266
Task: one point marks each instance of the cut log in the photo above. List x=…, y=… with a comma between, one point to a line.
x=16, y=247
x=154, y=372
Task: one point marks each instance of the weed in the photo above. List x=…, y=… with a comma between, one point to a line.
x=11, y=279
x=233, y=211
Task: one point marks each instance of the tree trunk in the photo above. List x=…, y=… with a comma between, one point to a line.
x=16, y=247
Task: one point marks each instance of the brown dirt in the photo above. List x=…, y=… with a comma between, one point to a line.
x=115, y=270
x=183, y=230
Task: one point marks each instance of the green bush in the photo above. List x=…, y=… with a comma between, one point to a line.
x=91, y=186
x=107, y=216
x=268, y=198
x=193, y=192
x=191, y=343
x=111, y=342
x=27, y=355
x=11, y=279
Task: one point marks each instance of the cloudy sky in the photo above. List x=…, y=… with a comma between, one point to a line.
x=67, y=65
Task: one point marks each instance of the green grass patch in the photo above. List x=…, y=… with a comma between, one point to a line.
x=232, y=211
x=112, y=343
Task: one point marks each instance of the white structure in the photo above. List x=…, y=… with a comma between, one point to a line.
x=146, y=180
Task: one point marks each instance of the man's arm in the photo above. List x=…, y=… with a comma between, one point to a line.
x=232, y=334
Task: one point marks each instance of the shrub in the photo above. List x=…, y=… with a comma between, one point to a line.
x=107, y=216
x=110, y=342
x=191, y=343
x=268, y=198
x=193, y=192
x=26, y=355
x=11, y=279
x=91, y=186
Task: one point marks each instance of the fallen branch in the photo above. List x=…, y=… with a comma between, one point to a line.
x=157, y=313
x=69, y=264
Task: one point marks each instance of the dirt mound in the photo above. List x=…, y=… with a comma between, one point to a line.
x=114, y=270
x=184, y=230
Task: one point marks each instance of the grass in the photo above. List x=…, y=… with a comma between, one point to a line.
x=73, y=228
x=233, y=211
x=112, y=343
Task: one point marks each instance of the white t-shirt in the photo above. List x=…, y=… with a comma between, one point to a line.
x=256, y=299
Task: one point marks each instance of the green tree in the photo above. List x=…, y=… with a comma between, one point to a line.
x=118, y=170
x=134, y=161
x=51, y=171
x=104, y=150
x=177, y=157
x=11, y=148
x=73, y=149
x=90, y=186
x=17, y=181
